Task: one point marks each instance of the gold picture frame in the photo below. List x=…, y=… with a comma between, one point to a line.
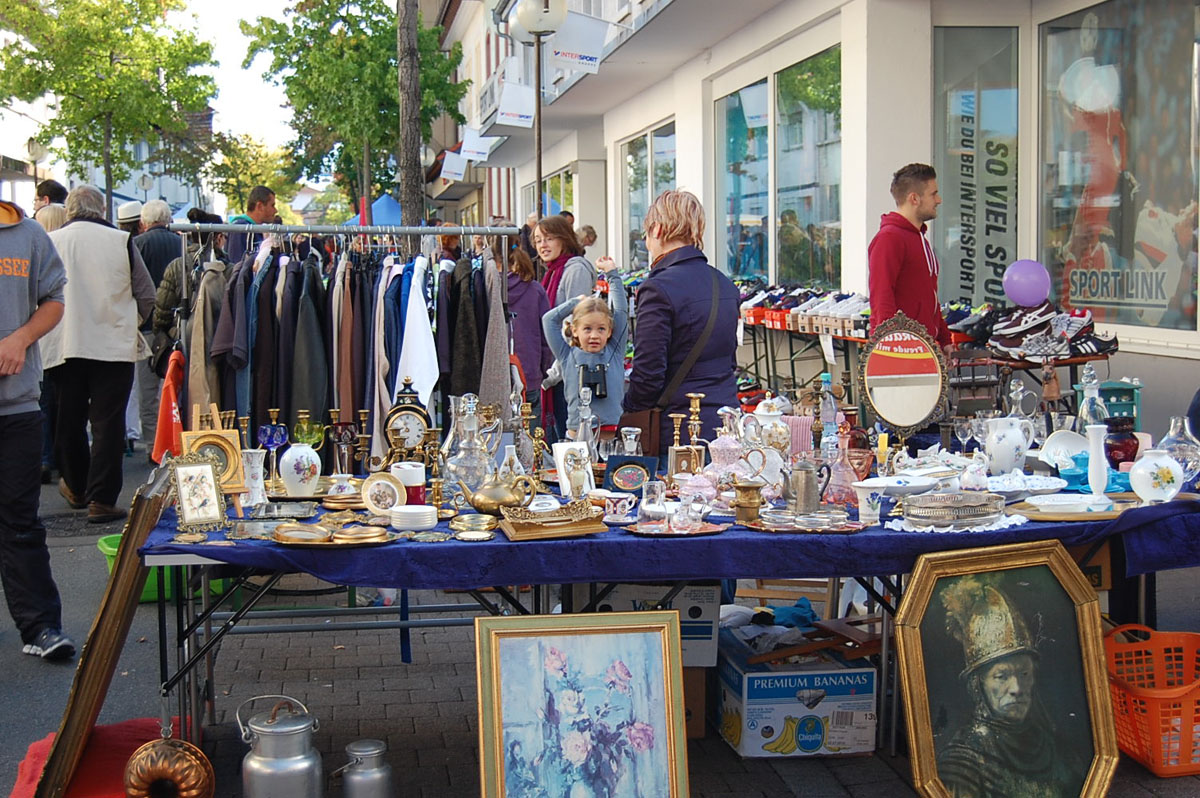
x=199, y=503
x=224, y=446
x=581, y=698
x=1002, y=667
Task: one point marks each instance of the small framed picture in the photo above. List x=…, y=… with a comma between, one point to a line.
x=587, y=704
x=628, y=473
x=198, y=499
x=223, y=447
x=575, y=478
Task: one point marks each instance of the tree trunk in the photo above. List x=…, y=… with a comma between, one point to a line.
x=368, y=217
x=108, y=173
x=412, y=178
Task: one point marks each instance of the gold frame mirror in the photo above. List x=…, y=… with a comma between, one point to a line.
x=902, y=376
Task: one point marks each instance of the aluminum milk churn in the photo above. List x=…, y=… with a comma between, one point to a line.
x=282, y=762
x=367, y=775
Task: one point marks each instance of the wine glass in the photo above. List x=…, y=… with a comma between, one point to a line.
x=964, y=431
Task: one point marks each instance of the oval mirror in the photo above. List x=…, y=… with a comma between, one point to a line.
x=902, y=376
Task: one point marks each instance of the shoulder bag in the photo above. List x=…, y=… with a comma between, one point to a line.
x=650, y=421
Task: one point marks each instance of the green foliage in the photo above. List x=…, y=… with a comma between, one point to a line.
x=337, y=64
x=245, y=163
x=815, y=82
x=114, y=71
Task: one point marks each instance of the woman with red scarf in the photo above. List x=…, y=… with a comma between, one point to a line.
x=568, y=275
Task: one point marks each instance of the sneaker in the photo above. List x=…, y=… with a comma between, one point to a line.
x=103, y=513
x=966, y=322
x=73, y=501
x=1093, y=345
x=1044, y=347
x=1025, y=320
x=51, y=644
x=980, y=327
x=1073, y=325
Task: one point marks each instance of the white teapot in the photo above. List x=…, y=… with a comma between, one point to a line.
x=1008, y=440
x=765, y=427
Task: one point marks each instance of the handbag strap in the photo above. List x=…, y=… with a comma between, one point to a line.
x=693, y=355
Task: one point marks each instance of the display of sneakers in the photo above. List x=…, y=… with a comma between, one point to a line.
x=1024, y=320
x=1072, y=325
x=1093, y=345
x=979, y=326
x=974, y=317
x=51, y=644
x=1044, y=346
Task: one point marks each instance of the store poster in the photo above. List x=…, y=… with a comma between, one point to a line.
x=579, y=43
x=517, y=103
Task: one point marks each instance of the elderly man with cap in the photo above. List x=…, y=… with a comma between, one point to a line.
x=129, y=217
x=1010, y=746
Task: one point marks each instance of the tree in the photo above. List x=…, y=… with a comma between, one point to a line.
x=115, y=72
x=337, y=64
x=244, y=163
x=408, y=155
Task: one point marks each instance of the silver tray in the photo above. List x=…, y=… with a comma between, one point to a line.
x=288, y=509
x=953, y=509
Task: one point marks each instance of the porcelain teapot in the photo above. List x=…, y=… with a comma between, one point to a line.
x=495, y=493
x=975, y=476
x=1008, y=440
x=765, y=427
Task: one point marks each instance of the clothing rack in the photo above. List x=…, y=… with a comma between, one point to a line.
x=349, y=229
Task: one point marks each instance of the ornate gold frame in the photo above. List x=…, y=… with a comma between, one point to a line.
x=490, y=630
x=902, y=323
x=191, y=461
x=910, y=648
x=232, y=477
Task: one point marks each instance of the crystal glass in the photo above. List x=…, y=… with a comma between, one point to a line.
x=1182, y=446
x=631, y=441
x=652, y=513
x=963, y=431
x=271, y=437
x=472, y=463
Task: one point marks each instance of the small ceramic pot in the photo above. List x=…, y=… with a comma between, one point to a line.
x=1156, y=477
x=1120, y=444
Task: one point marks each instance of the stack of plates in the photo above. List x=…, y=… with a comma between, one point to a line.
x=417, y=517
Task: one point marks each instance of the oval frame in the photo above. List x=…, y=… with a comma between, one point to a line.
x=902, y=323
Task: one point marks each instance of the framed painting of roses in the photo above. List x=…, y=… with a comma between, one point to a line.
x=581, y=706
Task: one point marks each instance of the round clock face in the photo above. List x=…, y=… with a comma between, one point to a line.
x=410, y=427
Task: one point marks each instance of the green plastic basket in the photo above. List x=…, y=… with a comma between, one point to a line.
x=108, y=546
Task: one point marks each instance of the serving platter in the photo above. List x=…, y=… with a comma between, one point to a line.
x=390, y=537
x=846, y=528
x=1121, y=503
x=665, y=531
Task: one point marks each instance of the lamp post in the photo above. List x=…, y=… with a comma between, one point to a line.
x=539, y=18
x=37, y=153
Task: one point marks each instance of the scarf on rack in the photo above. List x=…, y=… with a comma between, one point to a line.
x=553, y=276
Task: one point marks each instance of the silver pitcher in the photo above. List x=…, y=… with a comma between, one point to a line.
x=367, y=775
x=282, y=762
x=804, y=486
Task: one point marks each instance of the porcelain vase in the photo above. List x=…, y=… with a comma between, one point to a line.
x=299, y=470
x=341, y=485
x=1156, y=477
x=1097, y=463
x=256, y=486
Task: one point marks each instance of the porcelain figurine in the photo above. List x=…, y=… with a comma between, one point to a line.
x=975, y=476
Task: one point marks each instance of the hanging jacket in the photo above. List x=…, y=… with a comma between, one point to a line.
x=495, y=379
x=466, y=357
x=168, y=436
x=310, y=371
x=204, y=383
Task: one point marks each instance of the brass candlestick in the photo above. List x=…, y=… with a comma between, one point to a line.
x=244, y=424
x=335, y=415
x=677, y=418
x=362, y=452
x=694, y=425
x=431, y=451
x=437, y=497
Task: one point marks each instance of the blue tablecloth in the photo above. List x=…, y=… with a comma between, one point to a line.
x=1154, y=541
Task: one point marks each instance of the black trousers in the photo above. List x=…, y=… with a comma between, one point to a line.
x=24, y=559
x=96, y=392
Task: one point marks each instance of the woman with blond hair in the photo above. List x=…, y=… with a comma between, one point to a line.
x=685, y=338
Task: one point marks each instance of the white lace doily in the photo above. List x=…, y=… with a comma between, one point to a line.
x=1004, y=522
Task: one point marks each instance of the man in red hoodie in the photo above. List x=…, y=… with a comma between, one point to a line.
x=903, y=269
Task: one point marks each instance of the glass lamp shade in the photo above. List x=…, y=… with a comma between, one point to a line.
x=541, y=16
x=517, y=31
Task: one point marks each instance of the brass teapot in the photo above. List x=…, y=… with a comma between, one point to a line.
x=496, y=492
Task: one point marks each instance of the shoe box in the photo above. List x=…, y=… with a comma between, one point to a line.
x=817, y=708
x=699, y=606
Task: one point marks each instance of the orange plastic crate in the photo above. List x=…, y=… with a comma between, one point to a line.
x=1155, y=686
x=777, y=319
x=754, y=315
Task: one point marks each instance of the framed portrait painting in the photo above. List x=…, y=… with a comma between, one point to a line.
x=581, y=705
x=1003, y=674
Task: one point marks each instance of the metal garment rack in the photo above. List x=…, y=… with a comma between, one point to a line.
x=347, y=229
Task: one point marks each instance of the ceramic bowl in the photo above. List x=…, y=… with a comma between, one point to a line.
x=1069, y=502
x=1062, y=445
x=417, y=518
x=899, y=485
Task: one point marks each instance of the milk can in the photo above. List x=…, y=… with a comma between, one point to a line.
x=367, y=775
x=282, y=762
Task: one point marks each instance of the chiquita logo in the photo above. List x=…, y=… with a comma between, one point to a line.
x=810, y=734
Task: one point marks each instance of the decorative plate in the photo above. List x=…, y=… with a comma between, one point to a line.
x=302, y=533
x=474, y=536
x=252, y=530
x=1039, y=485
x=903, y=485
x=381, y=492
x=390, y=537
x=665, y=531
x=1070, y=502
x=619, y=520
x=430, y=537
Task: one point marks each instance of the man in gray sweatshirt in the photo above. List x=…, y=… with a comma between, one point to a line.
x=31, y=304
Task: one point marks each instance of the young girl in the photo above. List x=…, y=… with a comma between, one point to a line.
x=588, y=338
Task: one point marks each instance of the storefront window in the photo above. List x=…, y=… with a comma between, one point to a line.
x=649, y=170
x=1118, y=160
x=975, y=154
x=558, y=194
x=808, y=172
x=743, y=162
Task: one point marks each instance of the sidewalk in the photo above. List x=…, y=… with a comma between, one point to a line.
x=357, y=687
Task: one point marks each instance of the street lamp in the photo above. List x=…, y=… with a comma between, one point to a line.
x=538, y=18
x=37, y=153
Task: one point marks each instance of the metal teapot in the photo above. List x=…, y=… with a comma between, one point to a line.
x=805, y=485
x=282, y=762
x=496, y=492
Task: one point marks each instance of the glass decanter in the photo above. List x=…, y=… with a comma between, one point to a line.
x=471, y=463
x=1091, y=409
x=631, y=441
x=588, y=430
x=523, y=439
x=1182, y=446
x=840, y=490
x=450, y=445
